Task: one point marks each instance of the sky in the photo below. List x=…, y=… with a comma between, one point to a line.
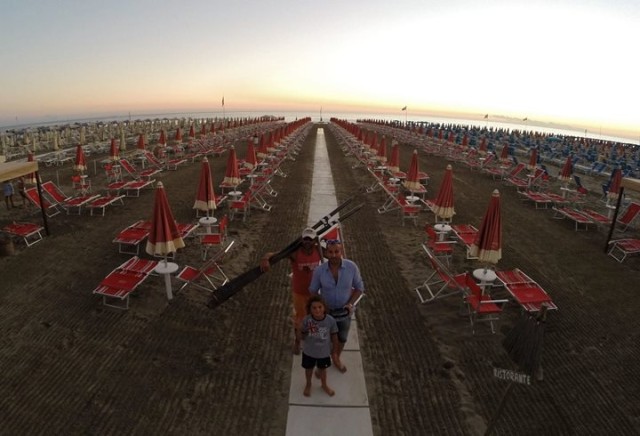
x=564, y=61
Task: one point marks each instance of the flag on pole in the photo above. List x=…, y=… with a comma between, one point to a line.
x=486, y=116
x=223, y=100
x=404, y=108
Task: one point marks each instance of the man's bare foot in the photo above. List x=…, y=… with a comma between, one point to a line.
x=328, y=390
x=307, y=391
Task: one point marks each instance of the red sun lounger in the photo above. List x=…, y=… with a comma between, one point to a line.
x=30, y=233
x=102, y=203
x=621, y=248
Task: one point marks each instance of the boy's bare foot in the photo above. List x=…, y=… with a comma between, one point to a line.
x=340, y=367
x=328, y=390
x=307, y=391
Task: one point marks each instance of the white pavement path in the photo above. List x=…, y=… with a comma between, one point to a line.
x=347, y=412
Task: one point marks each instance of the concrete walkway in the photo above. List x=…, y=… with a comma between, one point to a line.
x=346, y=413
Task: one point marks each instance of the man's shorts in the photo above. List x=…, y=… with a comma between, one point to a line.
x=343, y=319
x=309, y=362
x=343, y=328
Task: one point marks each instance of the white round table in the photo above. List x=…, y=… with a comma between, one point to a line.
x=207, y=222
x=235, y=194
x=442, y=229
x=486, y=276
x=166, y=269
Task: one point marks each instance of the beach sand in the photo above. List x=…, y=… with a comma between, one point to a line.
x=69, y=365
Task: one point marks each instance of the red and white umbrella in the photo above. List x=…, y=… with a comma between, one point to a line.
x=162, y=140
x=232, y=173
x=271, y=142
x=504, y=154
x=192, y=133
x=567, y=170
x=141, y=142
x=164, y=236
x=394, y=161
x=30, y=179
x=382, y=151
x=250, y=160
x=262, y=151
x=80, y=164
x=533, y=160
x=444, y=200
x=374, y=142
x=178, y=135
x=614, y=185
x=114, y=153
x=412, y=183
x=483, y=147
x=488, y=244
x=205, y=197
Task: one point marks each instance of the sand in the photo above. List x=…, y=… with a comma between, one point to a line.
x=70, y=365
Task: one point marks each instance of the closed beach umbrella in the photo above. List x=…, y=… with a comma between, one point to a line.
x=271, y=143
x=451, y=138
x=80, y=164
x=483, y=147
x=444, y=200
x=178, y=135
x=205, y=197
x=140, y=144
x=366, y=139
x=114, y=154
x=412, y=183
x=533, y=160
x=382, y=151
x=374, y=142
x=504, y=154
x=162, y=140
x=394, y=161
x=488, y=244
x=192, y=133
x=203, y=130
x=164, y=237
x=232, y=173
x=262, y=151
x=56, y=140
x=30, y=179
x=524, y=342
x=567, y=170
x=250, y=160
x=614, y=185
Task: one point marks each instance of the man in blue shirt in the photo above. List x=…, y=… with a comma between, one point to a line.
x=340, y=284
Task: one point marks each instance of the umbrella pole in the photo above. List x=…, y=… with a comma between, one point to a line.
x=167, y=280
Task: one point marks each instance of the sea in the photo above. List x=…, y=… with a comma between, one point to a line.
x=492, y=123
